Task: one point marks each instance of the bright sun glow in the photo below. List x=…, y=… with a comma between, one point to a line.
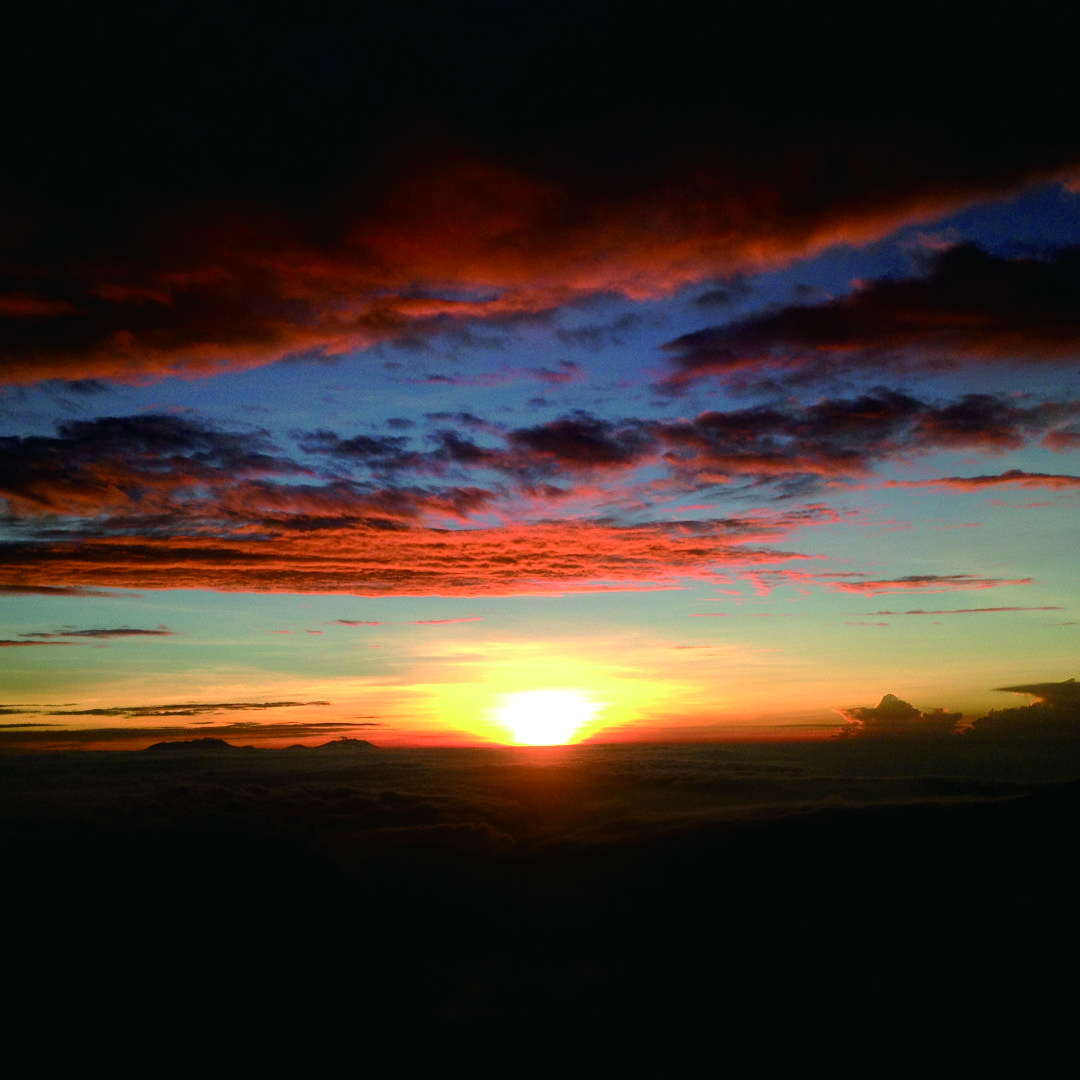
x=545, y=717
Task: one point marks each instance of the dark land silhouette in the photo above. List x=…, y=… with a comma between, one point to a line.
x=618, y=883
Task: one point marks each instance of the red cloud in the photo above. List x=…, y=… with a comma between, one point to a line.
x=1014, y=477
x=930, y=583
x=443, y=622
x=219, y=258
x=362, y=560
x=966, y=611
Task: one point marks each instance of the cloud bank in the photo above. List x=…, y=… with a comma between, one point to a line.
x=892, y=717
x=243, y=242
x=971, y=306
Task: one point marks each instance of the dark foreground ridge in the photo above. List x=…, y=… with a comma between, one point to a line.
x=487, y=885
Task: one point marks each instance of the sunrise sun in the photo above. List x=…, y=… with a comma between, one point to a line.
x=545, y=717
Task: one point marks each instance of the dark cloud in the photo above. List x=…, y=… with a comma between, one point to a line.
x=464, y=419
x=156, y=475
x=565, y=372
x=1055, y=715
x=382, y=453
x=1060, y=695
x=987, y=422
x=971, y=306
x=59, y=590
x=452, y=448
x=966, y=611
x=162, y=472
x=582, y=441
x=598, y=336
x=765, y=579
x=736, y=288
x=111, y=632
x=84, y=387
x=892, y=717
x=1015, y=477
x=827, y=438
x=442, y=622
x=184, y=709
x=1064, y=438
x=9, y=644
x=924, y=583
x=114, y=463
x=155, y=501
x=230, y=249
x=848, y=436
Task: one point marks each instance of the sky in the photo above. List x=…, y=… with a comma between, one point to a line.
x=364, y=378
